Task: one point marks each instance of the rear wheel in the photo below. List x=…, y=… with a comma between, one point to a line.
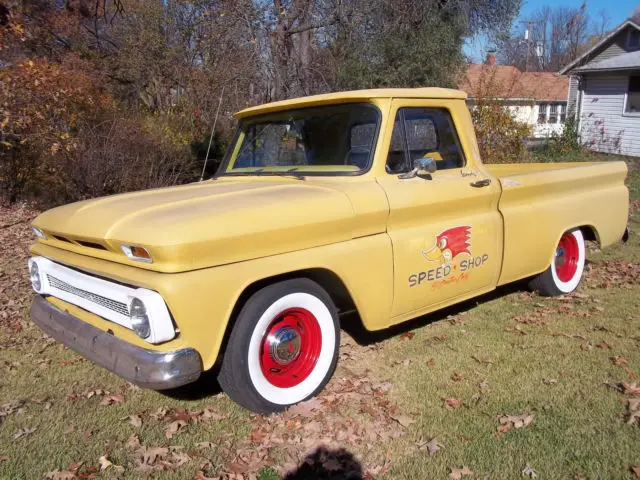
x=565, y=272
x=283, y=348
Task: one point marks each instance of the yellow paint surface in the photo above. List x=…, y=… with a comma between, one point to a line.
x=395, y=244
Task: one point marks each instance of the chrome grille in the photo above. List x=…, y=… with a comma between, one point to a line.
x=118, y=307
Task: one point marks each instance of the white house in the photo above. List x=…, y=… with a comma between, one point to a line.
x=536, y=98
x=604, y=92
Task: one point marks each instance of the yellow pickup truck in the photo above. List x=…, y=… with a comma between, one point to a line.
x=375, y=201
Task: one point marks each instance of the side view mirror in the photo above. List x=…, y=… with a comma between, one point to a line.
x=421, y=166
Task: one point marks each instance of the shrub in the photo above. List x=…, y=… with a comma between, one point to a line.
x=565, y=146
x=501, y=138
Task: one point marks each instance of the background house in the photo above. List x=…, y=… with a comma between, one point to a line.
x=604, y=92
x=535, y=98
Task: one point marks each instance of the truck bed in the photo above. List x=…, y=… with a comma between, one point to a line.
x=539, y=201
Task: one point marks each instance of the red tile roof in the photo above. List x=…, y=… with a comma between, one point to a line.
x=508, y=82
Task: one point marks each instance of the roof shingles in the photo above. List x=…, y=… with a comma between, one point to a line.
x=507, y=82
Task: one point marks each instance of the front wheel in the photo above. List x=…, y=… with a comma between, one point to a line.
x=283, y=348
x=565, y=272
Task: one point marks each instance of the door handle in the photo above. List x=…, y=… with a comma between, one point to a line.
x=485, y=182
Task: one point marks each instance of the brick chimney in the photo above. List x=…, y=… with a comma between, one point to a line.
x=491, y=57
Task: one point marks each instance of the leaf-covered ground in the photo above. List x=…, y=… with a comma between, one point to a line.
x=509, y=385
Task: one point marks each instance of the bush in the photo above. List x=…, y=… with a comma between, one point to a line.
x=63, y=139
x=564, y=147
x=501, y=139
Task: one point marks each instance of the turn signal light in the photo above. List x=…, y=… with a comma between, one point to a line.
x=135, y=252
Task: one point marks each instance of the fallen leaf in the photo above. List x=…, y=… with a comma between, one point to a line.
x=111, y=400
x=619, y=360
x=514, y=421
x=403, y=420
x=482, y=361
x=305, y=409
x=636, y=471
x=433, y=446
x=451, y=402
x=630, y=389
x=95, y=393
x=175, y=428
x=148, y=456
x=529, y=472
x=135, y=420
x=105, y=463
x=23, y=432
x=407, y=336
x=633, y=406
x=3, y=458
x=431, y=362
x=458, y=473
x=587, y=346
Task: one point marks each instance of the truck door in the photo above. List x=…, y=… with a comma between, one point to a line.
x=445, y=228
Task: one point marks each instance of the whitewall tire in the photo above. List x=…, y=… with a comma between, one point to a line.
x=565, y=272
x=283, y=348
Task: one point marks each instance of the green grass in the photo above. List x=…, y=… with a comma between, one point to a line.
x=559, y=371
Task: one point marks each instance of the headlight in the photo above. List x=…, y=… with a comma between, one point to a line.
x=34, y=275
x=38, y=233
x=139, y=318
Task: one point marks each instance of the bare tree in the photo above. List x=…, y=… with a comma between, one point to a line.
x=556, y=36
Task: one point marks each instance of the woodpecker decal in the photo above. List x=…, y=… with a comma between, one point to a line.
x=448, y=245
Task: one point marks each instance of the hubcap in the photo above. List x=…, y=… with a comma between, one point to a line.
x=290, y=347
x=284, y=346
x=567, y=256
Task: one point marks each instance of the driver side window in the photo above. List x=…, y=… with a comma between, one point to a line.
x=420, y=133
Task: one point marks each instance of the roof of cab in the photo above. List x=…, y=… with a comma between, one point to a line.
x=352, y=96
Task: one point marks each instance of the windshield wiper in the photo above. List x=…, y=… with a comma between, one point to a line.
x=292, y=172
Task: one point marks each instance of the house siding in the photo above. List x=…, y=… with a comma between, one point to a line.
x=617, y=46
x=604, y=127
x=572, y=96
x=614, y=47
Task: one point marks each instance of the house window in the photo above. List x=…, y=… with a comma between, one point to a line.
x=633, y=40
x=553, y=113
x=563, y=113
x=633, y=95
x=542, y=113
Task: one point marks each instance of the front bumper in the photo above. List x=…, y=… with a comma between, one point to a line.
x=144, y=367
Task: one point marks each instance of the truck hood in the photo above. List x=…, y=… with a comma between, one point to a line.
x=204, y=224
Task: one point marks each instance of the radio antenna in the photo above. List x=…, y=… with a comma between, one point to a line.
x=213, y=130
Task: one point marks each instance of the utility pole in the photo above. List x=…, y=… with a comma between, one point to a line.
x=527, y=38
x=527, y=33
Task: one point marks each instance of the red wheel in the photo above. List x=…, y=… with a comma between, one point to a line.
x=567, y=265
x=290, y=348
x=567, y=257
x=283, y=348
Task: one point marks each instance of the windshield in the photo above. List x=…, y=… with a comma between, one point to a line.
x=331, y=140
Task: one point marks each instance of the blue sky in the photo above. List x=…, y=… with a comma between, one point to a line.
x=617, y=10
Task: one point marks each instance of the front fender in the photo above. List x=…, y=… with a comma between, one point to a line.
x=202, y=301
